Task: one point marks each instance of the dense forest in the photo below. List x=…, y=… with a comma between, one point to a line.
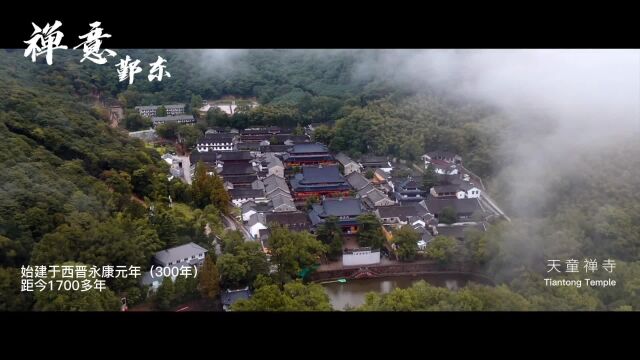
x=74, y=189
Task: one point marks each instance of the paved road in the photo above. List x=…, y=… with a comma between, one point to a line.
x=230, y=223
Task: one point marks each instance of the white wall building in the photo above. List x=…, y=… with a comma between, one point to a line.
x=152, y=110
x=256, y=223
x=216, y=142
x=362, y=256
x=461, y=191
x=348, y=164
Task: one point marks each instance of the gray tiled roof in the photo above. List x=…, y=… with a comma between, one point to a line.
x=308, y=148
x=382, y=173
x=282, y=200
x=459, y=231
x=370, y=159
x=154, y=107
x=257, y=218
x=273, y=182
x=344, y=159
x=402, y=212
x=229, y=297
x=156, y=119
x=248, y=146
x=178, y=253
x=366, y=190
x=357, y=180
x=258, y=184
x=446, y=188
x=277, y=193
x=216, y=138
x=272, y=160
x=205, y=156
x=237, y=169
x=341, y=207
x=466, y=206
x=257, y=207
x=274, y=148
x=246, y=193
x=442, y=154
x=234, y=155
x=327, y=174
x=295, y=219
x=376, y=195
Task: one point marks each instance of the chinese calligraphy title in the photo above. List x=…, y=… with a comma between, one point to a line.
x=572, y=265
x=47, y=39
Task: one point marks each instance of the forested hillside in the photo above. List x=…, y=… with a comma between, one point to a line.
x=72, y=187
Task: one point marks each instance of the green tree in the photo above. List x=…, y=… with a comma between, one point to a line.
x=448, y=215
x=479, y=247
x=369, y=174
x=11, y=298
x=295, y=296
x=310, y=201
x=242, y=262
x=168, y=130
x=219, y=196
x=117, y=240
x=119, y=181
x=196, y=103
x=441, y=249
x=161, y=111
x=166, y=295
x=422, y=296
x=370, y=231
x=217, y=117
x=330, y=234
x=232, y=241
x=323, y=134
x=209, y=279
x=262, y=280
x=406, y=240
x=255, y=259
x=59, y=299
x=209, y=189
x=188, y=135
x=233, y=270
x=133, y=295
x=202, y=187
x=165, y=225
x=186, y=288
x=134, y=122
x=144, y=181
x=179, y=191
x=299, y=130
x=292, y=251
x=429, y=179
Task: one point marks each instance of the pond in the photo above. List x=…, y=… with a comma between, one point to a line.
x=352, y=293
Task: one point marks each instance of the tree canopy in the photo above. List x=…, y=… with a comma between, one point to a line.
x=294, y=296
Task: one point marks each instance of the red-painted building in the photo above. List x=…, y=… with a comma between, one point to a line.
x=308, y=154
x=319, y=182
